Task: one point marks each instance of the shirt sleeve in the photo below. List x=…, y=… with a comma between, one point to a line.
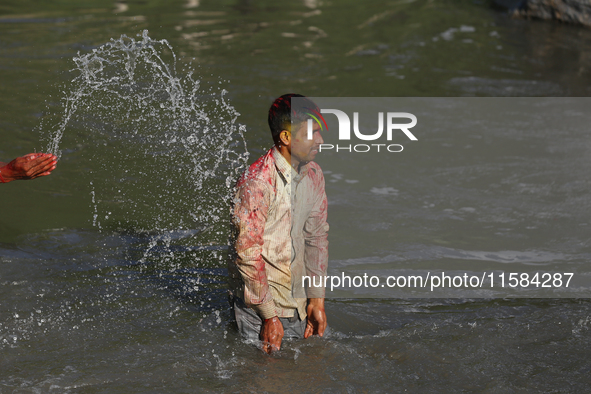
x=316, y=238
x=251, y=206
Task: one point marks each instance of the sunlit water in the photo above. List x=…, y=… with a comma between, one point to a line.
x=115, y=282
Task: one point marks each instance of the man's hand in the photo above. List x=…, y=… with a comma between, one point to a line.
x=316, y=317
x=272, y=334
x=28, y=166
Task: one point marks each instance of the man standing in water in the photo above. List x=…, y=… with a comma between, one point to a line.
x=280, y=226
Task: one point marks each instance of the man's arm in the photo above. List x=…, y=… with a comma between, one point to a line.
x=251, y=206
x=29, y=166
x=316, y=257
x=250, y=216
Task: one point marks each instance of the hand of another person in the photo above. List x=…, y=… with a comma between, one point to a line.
x=316, y=317
x=272, y=334
x=29, y=166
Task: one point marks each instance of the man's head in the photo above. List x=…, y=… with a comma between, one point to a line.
x=289, y=127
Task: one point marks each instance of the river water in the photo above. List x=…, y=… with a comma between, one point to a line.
x=112, y=271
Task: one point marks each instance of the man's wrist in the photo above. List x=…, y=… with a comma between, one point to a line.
x=316, y=301
x=5, y=172
x=270, y=320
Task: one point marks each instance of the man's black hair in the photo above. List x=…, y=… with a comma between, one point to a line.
x=281, y=113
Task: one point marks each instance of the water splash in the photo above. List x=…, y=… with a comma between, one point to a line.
x=163, y=151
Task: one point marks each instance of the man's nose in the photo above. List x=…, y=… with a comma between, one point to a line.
x=318, y=138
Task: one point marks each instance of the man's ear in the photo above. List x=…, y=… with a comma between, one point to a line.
x=285, y=137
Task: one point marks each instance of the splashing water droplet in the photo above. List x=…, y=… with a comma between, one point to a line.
x=163, y=151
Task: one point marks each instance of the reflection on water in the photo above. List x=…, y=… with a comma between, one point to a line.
x=141, y=305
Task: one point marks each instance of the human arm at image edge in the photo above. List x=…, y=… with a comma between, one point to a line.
x=30, y=166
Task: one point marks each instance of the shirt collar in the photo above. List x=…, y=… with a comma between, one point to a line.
x=297, y=177
x=282, y=165
x=286, y=169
